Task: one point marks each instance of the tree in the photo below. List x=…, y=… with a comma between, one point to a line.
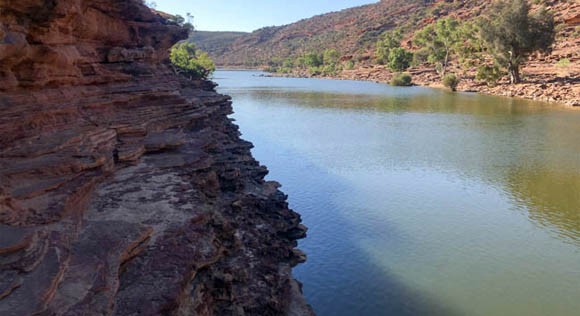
x=439, y=40
x=151, y=4
x=300, y=62
x=470, y=47
x=489, y=74
x=511, y=33
x=451, y=81
x=189, y=24
x=191, y=61
x=389, y=41
x=177, y=19
x=313, y=60
x=330, y=57
x=399, y=59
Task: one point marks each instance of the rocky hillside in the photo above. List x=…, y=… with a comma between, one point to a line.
x=125, y=189
x=354, y=32
x=349, y=30
x=215, y=43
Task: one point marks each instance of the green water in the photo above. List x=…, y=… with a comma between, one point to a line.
x=419, y=201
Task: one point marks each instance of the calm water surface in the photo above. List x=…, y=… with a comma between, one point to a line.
x=419, y=201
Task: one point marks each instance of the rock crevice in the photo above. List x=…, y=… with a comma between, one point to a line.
x=125, y=189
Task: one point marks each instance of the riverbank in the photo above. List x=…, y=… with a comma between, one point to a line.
x=541, y=83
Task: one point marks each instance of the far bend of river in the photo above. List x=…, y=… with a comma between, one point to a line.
x=420, y=201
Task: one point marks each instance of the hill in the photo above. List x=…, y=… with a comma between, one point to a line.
x=215, y=43
x=354, y=32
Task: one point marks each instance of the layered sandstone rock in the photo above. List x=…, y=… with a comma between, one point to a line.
x=124, y=189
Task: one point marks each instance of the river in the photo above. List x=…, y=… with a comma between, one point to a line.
x=420, y=201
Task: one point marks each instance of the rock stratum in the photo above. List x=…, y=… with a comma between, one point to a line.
x=125, y=189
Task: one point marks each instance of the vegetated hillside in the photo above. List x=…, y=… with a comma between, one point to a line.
x=350, y=37
x=215, y=43
x=352, y=31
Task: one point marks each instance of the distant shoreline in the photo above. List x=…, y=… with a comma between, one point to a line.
x=554, y=91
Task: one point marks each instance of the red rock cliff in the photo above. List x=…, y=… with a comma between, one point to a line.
x=124, y=189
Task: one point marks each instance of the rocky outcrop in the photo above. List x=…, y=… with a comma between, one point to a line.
x=125, y=189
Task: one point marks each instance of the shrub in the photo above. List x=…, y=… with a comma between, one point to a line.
x=563, y=63
x=420, y=56
x=191, y=61
x=330, y=57
x=329, y=70
x=399, y=59
x=389, y=40
x=489, y=74
x=314, y=71
x=313, y=60
x=401, y=80
x=451, y=81
x=349, y=65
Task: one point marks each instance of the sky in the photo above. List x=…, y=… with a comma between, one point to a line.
x=249, y=15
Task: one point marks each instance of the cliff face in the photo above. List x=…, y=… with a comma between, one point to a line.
x=124, y=189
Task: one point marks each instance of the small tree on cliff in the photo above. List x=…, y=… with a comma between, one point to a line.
x=190, y=61
x=151, y=4
x=511, y=33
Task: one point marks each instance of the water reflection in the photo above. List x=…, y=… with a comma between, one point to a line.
x=341, y=277
x=495, y=134
x=551, y=197
x=413, y=99
x=422, y=202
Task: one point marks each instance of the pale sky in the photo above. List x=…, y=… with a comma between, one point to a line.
x=249, y=15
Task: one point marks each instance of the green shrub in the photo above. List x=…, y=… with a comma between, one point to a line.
x=315, y=71
x=388, y=41
x=349, y=65
x=451, y=81
x=402, y=80
x=399, y=59
x=330, y=57
x=563, y=63
x=420, y=56
x=330, y=70
x=489, y=74
x=313, y=59
x=190, y=61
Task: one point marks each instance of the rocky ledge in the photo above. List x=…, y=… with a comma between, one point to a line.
x=124, y=189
